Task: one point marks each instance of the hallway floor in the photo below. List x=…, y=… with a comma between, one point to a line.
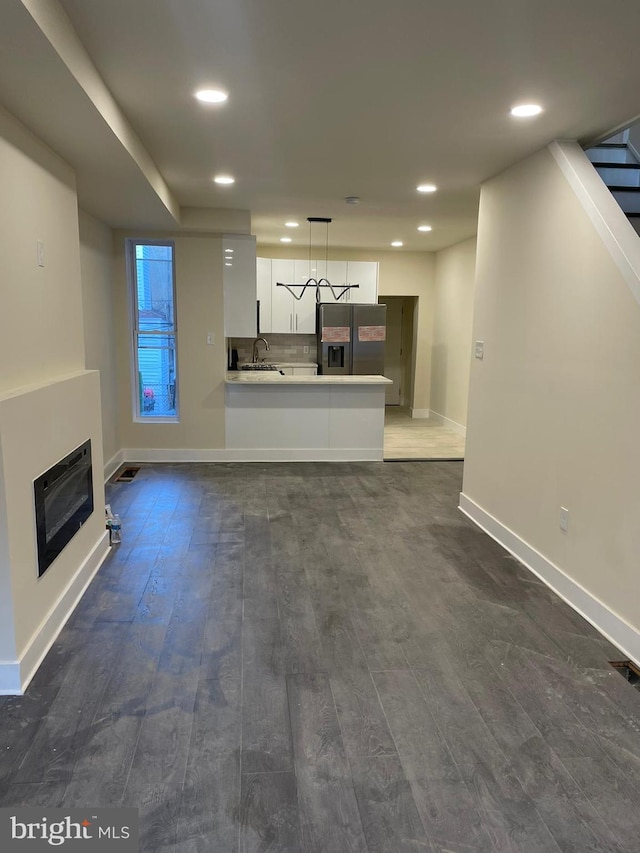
x=331, y=658
x=418, y=438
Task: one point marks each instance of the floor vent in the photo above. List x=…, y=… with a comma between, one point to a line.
x=126, y=475
x=629, y=670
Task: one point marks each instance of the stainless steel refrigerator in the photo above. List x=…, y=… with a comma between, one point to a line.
x=351, y=338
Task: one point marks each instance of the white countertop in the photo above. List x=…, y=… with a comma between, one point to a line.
x=258, y=377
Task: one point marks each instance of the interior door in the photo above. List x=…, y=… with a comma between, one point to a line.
x=393, y=361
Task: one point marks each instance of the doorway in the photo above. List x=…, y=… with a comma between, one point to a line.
x=406, y=437
x=399, y=348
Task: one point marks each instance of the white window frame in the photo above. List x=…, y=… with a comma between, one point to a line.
x=135, y=331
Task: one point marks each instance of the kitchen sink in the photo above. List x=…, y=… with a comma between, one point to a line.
x=258, y=365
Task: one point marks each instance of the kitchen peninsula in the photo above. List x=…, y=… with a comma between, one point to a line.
x=270, y=417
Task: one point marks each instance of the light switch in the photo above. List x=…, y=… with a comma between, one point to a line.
x=479, y=349
x=40, y=253
x=211, y=339
x=564, y=519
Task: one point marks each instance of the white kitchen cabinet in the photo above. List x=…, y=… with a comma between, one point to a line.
x=281, y=299
x=336, y=273
x=342, y=273
x=288, y=314
x=264, y=288
x=239, y=285
x=364, y=274
x=282, y=313
x=298, y=371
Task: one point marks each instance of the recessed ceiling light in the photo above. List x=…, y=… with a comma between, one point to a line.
x=424, y=228
x=397, y=243
x=228, y=264
x=291, y=224
x=224, y=179
x=285, y=239
x=426, y=188
x=526, y=110
x=211, y=96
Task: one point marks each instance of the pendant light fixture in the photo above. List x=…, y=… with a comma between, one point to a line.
x=337, y=291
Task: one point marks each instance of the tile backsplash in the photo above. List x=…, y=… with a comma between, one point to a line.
x=282, y=348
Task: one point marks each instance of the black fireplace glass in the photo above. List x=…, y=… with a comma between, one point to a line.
x=63, y=501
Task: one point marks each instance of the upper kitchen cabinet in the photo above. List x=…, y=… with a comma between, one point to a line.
x=336, y=273
x=342, y=273
x=264, y=283
x=290, y=315
x=280, y=312
x=240, y=291
x=365, y=275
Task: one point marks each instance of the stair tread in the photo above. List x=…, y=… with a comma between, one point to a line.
x=607, y=145
x=616, y=165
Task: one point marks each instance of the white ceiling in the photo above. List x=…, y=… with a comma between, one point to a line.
x=327, y=99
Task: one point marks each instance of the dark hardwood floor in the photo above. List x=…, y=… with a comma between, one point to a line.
x=326, y=657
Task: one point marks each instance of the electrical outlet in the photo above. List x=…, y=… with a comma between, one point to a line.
x=564, y=519
x=479, y=349
x=305, y=350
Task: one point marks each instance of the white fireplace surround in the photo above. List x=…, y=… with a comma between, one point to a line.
x=39, y=425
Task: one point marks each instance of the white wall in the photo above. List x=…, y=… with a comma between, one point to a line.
x=554, y=407
x=96, y=267
x=39, y=425
x=399, y=274
x=452, y=328
x=49, y=404
x=201, y=368
x=41, y=333
x=8, y=649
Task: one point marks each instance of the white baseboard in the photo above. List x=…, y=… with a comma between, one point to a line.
x=268, y=454
x=16, y=675
x=168, y=454
x=113, y=464
x=454, y=426
x=609, y=624
x=420, y=413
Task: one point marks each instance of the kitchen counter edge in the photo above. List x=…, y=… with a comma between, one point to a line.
x=248, y=377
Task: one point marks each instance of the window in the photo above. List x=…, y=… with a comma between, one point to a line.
x=152, y=287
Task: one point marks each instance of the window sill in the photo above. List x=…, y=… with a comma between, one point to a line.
x=155, y=420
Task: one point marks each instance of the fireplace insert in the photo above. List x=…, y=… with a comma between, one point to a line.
x=63, y=501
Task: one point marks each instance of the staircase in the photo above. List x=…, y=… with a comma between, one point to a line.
x=619, y=168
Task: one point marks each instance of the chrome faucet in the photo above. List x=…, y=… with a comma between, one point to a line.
x=254, y=357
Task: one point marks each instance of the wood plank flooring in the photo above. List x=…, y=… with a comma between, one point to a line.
x=330, y=658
